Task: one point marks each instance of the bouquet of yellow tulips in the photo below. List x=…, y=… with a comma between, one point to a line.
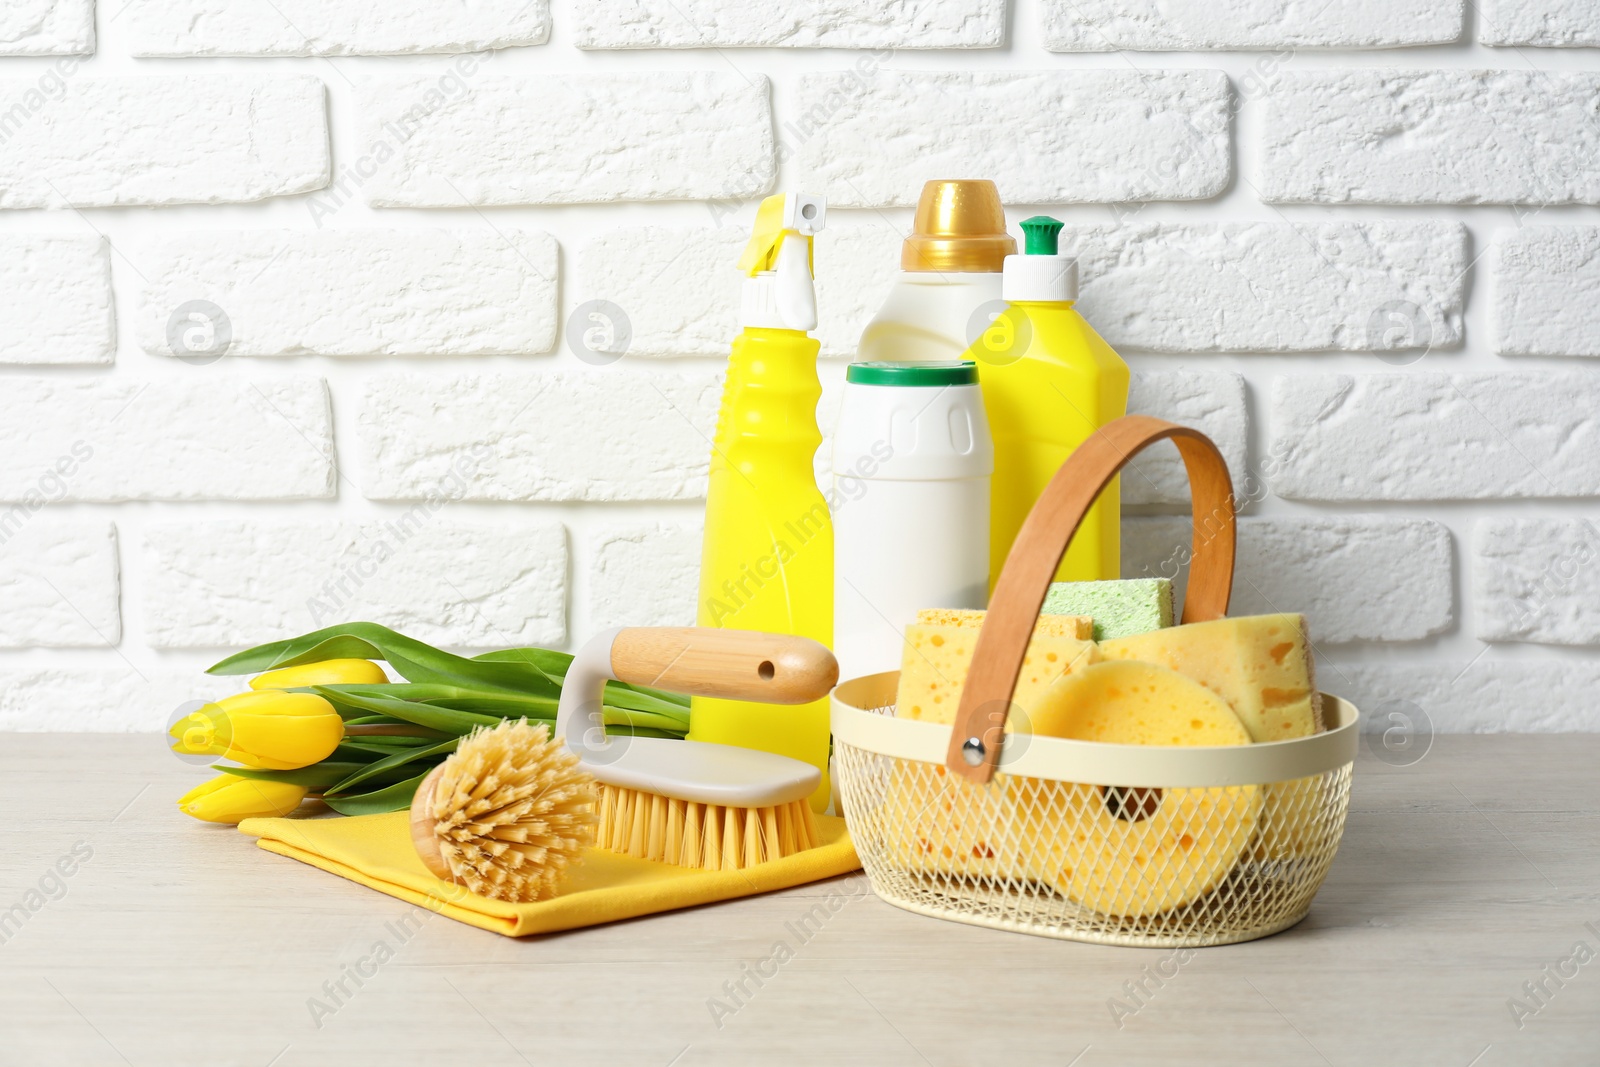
x=322, y=719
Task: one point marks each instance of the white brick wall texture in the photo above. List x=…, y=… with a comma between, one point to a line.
x=679, y=287
x=1210, y=401
x=311, y=28
x=798, y=24
x=1322, y=567
x=1537, y=580
x=477, y=292
x=58, y=581
x=606, y=435
x=1487, y=695
x=1271, y=287
x=1544, y=279
x=645, y=574
x=493, y=139
x=1431, y=137
x=1048, y=137
x=236, y=583
x=160, y=139
x=1430, y=436
x=55, y=299
x=1545, y=24
x=1193, y=25
x=111, y=699
x=359, y=291
x=74, y=439
x=47, y=27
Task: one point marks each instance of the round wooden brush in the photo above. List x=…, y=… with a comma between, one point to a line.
x=507, y=815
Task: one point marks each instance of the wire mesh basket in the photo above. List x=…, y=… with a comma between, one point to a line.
x=1118, y=844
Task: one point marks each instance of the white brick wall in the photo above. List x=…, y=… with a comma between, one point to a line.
x=1537, y=580
x=679, y=287
x=1431, y=137
x=1268, y=287
x=1544, y=281
x=257, y=309
x=494, y=139
x=1545, y=24
x=224, y=439
x=1193, y=25
x=796, y=24
x=112, y=699
x=1048, y=137
x=55, y=299
x=479, y=292
x=1323, y=567
x=58, y=581
x=1208, y=401
x=230, y=583
x=313, y=28
x=47, y=27
x=645, y=574
x=600, y=436
x=160, y=139
x=1425, y=436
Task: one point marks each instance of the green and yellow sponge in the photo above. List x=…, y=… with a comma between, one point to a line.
x=1119, y=608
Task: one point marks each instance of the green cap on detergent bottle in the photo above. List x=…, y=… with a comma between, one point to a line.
x=1041, y=235
x=1042, y=273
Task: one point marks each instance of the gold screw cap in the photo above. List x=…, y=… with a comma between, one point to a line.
x=960, y=226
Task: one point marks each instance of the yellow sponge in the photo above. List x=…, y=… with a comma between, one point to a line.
x=1131, y=851
x=948, y=825
x=1259, y=664
x=938, y=655
x=1079, y=626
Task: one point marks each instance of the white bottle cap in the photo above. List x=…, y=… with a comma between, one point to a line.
x=1040, y=278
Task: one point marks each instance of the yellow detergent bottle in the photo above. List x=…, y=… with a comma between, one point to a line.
x=767, y=559
x=1049, y=381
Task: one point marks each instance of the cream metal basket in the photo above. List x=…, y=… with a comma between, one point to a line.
x=1116, y=844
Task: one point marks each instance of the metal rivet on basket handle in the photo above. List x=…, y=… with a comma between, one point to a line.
x=1019, y=594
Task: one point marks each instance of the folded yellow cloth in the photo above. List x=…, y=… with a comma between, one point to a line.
x=376, y=851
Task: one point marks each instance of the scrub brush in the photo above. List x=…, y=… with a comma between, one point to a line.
x=694, y=803
x=507, y=815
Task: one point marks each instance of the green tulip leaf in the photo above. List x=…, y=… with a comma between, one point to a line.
x=396, y=797
x=316, y=777
x=399, y=759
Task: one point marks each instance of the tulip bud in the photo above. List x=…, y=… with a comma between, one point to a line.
x=228, y=798
x=269, y=729
x=326, y=672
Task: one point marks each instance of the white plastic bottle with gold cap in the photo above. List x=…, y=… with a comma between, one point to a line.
x=948, y=287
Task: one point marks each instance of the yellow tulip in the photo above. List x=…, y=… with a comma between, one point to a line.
x=327, y=672
x=229, y=798
x=270, y=729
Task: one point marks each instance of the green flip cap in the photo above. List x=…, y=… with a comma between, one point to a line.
x=1040, y=235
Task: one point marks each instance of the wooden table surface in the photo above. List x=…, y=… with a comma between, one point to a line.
x=1461, y=878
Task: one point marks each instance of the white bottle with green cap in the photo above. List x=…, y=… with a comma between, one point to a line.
x=912, y=459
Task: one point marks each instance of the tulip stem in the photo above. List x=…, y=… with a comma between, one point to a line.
x=392, y=730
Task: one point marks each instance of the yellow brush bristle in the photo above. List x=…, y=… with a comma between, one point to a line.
x=708, y=836
x=513, y=811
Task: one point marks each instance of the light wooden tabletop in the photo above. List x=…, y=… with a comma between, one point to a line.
x=1461, y=879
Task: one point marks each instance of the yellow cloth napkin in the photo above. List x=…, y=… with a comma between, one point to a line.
x=376, y=851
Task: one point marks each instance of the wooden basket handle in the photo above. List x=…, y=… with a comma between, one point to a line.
x=976, y=740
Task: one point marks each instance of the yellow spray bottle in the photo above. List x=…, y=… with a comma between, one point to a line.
x=767, y=559
x=1049, y=382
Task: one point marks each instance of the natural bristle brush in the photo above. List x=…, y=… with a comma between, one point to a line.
x=512, y=808
x=507, y=814
x=692, y=803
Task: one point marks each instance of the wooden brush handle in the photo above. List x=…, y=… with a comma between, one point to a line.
x=1042, y=542
x=732, y=664
x=422, y=824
